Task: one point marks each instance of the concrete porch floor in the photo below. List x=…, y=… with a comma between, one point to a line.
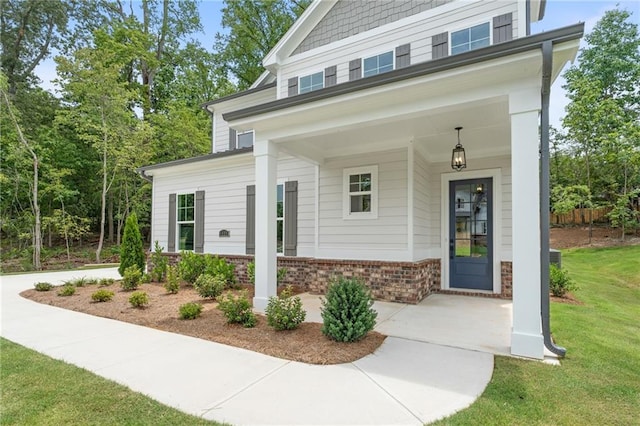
x=475, y=323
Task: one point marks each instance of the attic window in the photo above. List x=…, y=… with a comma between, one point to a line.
x=378, y=64
x=470, y=38
x=311, y=82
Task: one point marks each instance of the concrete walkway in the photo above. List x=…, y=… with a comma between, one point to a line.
x=405, y=382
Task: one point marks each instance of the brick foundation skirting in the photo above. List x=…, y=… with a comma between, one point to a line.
x=406, y=282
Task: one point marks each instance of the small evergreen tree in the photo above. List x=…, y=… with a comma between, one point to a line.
x=131, y=251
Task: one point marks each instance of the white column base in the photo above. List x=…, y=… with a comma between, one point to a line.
x=527, y=345
x=260, y=304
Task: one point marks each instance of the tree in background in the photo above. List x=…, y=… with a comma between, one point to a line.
x=252, y=29
x=131, y=251
x=603, y=116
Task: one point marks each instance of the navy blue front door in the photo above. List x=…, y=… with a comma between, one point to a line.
x=471, y=234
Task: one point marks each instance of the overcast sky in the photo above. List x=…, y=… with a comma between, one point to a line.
x=559, y=13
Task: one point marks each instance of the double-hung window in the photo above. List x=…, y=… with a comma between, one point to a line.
x=311, y=82
x=378, y=64
x=186, y=221
x=361, y=192
x=280, y=219
x=470, y=38
x=244, y=140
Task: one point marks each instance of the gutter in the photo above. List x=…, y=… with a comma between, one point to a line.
x=547, y=62
x=144, y=176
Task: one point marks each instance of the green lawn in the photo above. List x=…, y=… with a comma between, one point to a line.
x=599, y=380
x=38, y=390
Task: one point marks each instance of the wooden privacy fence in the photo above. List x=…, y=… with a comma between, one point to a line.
x=580, y=216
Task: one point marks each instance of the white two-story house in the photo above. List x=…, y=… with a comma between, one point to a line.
x=396, y=141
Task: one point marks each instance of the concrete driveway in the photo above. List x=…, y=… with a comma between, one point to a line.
x=405, y=382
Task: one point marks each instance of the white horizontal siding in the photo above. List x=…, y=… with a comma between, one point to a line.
x=225, y=201
x=418, y=32
x=421, y=201
x=389, y=230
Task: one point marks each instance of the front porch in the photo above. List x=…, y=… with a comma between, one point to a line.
x=467, y=322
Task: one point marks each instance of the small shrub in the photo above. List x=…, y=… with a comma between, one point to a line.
x=190, y=310
x=218, y=266
x=560, y=282
x=92, y=281
x=42, y=286
x=78, y=282
x=191, y=266
x=139, y=299
x=172, y=285
x=251, y=272
x=281, y=275
x=131, y=250
x=159, y=262
x=102, y=295
x=285, y=312
x=105, y=282
x=210, y=286
x=346, y=311
x=237, y=309
x=146, y=278
x=67, y=290
x=131, y=278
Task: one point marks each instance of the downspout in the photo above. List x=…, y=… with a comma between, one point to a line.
x=547, y=61
x=144, y=175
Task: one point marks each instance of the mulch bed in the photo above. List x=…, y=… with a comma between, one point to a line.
x=305, y=344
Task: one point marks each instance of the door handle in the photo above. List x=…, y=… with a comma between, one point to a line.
x=451, y=249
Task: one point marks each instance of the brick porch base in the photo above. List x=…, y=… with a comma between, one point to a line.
x=405, y=282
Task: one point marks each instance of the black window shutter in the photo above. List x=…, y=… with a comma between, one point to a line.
x=403, y=56
x=251, y=220
x=355, y=69
x=232, y=138
x=502, y=28
x=290, y=218
x=440, y=45
x=171, y=235
x=293, y=86
x=330, y=77
x=198, y=242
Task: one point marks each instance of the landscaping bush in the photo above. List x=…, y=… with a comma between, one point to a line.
x=172, y=285
x=67, y=290
x=102, y=295
x=560, y=282
x=105, y=282
x=145, y=278
x=190, y=310
x=42, y=286
x=209, y=286
x=131, y=278
x=237, y=309
x=346, y=311
x=285, y=312
x=139, y=299
x=77, y=282
x=131, y=251
x=191, y=266
x=92, y=281
x=159, y=263
x=218, y=266
x=280, y=275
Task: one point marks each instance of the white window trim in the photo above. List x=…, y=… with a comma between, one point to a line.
x=309, y=75
x=284, y=207
x=393, y=56
x=180, y=222
x=346, y=200
x=244, y=133
x=466, y=27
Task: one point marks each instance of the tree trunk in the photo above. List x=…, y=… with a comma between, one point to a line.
x=103, y=198
x=110, y=218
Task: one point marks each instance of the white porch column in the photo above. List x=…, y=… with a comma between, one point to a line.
x=526, y=335
x=266, y=157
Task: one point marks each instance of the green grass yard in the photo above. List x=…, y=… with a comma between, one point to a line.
x=599, y=380
x=38, y=390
